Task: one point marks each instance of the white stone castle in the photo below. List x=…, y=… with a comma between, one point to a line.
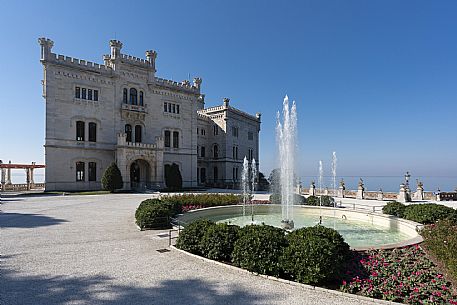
x=121, y=112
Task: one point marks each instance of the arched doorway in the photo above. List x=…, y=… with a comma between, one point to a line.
x=140, y=175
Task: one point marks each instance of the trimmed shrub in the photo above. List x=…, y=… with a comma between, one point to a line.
x=258, y=249
x=173, y=178
x=315, y=255
x=327, y=201
x=218, y=241
x=112, y=178
x=394, y=208
x=187, y=202
x=429, y=213
x=153, y=214
x=440, y=240
x=190, y=239
x=276, y=199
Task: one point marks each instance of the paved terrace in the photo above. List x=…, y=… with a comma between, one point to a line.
x=87, y=250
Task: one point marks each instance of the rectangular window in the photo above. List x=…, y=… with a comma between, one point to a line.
x=177, y=109
x=92, y=171
x=165, y=107
x=138, y=132
x=96, y=95
x=175, y=139
x=203, y=152
x=251, y=154
x=215, y=130
x=169, y=107
x=78, y=92
x=236, y=152
x=92, y=132
x=80, y=171
x=83, y=93
x=167, y=139
x=233, y=152
x=250, y=135
x=174, y=108
x=235, y=132
x=203, y=175
x=79, y=131
x=89, y=94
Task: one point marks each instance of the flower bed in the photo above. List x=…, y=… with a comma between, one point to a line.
x=403, y=275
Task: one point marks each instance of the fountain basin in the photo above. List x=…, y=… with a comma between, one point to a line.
x=361, y=230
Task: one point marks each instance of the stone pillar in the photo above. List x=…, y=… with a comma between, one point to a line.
x=326, y=191
x=402, y=195
x=341, y=189
x=32, y=182
x=8, y=176
x=380, y=195
x=3, y=178
x=312, y=189
x=360, y=190
x=419, y=194
x=438, y=198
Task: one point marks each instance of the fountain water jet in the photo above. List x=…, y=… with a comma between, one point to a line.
x=334, y=160
x=253, y=178
x=245, y=183
x=287, y=137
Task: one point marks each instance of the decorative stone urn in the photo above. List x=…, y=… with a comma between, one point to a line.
x=312, y=189
x=360, y=190
x=341, y=189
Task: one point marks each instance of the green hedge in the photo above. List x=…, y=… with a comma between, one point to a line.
x=276, y=199
x=218, y=241
x=440, y=240
x=259, y=248
x=429, y=213
x=153, y=214
x=190, y=239
x=201, y=200
x=394, y=208
x=315, y=255
x=325, y=201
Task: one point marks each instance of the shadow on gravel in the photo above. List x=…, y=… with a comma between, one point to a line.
x=18, y=220
x=38, y=290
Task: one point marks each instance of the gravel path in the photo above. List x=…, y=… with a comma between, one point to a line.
x=87, y=250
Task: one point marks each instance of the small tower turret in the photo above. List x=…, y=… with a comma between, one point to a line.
x=116, y=47
x=197, y=82
x=46, y=47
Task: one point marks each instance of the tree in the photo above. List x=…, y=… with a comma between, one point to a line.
x=275, y=181
x=173, y=178
x=112, y=178
x=263, y=182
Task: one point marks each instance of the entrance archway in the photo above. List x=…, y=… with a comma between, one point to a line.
x=140, y=175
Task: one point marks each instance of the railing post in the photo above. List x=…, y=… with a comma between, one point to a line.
x=374, y=209
x=353, y=206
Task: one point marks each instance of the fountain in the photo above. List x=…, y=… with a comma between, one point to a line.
x=253, y=178
x=245, y=183
x=334, y=160
x=286, y=137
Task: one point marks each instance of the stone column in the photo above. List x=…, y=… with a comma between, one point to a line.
x=312, y=189
x=380, y=195
x=32, y=182
x=326, y=191
x=402, y=195
x=3, y=179
x=341, y=189
x=8, y=175
x=360, y=190
x=419, y=195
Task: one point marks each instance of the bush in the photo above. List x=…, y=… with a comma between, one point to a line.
x=315, y=255
x=153, y=214
x=394, y=208
x=258, y=249
x=187, y=202
x=440, y=240
x=325, y=201
x=276, y=199
x=429, y=213
x=218, y=241
x=173, y=178
x=190, y=239
x=112, y=178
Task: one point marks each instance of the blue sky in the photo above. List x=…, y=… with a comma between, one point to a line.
x=375, y=81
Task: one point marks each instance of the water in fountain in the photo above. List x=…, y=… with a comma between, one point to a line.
x=253, y=178
x=286, y=137
x=334, y=160
x=245, y=183
x=321, y=175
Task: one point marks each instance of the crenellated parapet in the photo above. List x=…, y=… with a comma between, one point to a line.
x=182, y=86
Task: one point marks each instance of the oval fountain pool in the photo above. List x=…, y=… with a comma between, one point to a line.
x=361, y=230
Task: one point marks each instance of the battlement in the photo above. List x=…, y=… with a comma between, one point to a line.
x=184, y=85
x=136, y=61
x=79, y=63
x=203, y=117
x=227, y=107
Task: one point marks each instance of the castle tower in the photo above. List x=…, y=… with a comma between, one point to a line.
x=46, y=47
x=116, y=47
x=151, y=56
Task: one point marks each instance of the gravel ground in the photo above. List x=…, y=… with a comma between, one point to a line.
x=87, y=250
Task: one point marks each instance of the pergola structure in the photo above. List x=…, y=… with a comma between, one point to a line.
x=6, y=183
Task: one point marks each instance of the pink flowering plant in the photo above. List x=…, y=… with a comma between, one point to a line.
x=402, y=275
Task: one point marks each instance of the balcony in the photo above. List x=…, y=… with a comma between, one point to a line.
x=133, y=112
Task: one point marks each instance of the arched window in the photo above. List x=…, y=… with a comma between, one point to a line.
x=215, y=151
x=128, y=132
x=92, y=132
x=133, y=96
x=79, y=131
x=138, y=133
x=141, y=98
x=124, y=96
